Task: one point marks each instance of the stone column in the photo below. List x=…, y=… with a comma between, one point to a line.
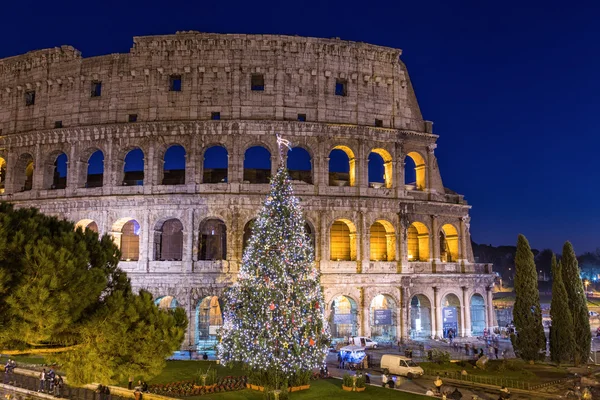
x=274, y=162
x=438, y=313
x=363, y=172
x=39, y=167
x=490, y=308
x=146, y=238
x=190, y=166
x=434, y=249
x=467, y=312
x=402, y=331
x=150, y=167
x=188, y=238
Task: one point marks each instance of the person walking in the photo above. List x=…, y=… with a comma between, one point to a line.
x=496, y=349
x=42, y=380
x=130, y=383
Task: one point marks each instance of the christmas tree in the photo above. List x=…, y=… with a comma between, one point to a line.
x=273, y=318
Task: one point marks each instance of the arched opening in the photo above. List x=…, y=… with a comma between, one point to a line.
x=299, y=165
x=213, y=240
x=382, y=241
x=24, y=177
x=343, y=319
x=95, y=170
x=133, y=168
x=126, y=233
x=342, y=241
x=166, y=303
x=417, y=242
x=383, y=317
x=415, y=171
x=477, y=315
x=247, y=234
x=2, y=175
x=87, y=224
x=342, y=167
x=380, y=169
x=59, y=172
x=209, y=319
x=215, y=165
x=168, y=241
x=257, y=165
x=451, y=316
x=448, y=243
x=420, y=317
x=174, y=166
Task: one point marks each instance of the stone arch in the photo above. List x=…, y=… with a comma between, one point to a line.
x=449, y=243
x=299, y=164
x=172, y=171
x=55, y=170
x=421, y=323
x=247, y=232
x=168, y=240
x=257, y=165
x=415, y=171
x=343, y=318
x=126, y=234
x=87, y=224
x=417, y=242
x=342, y=166
x=383, y=318
x=24, y=172
x=167, y=303
x=311, y=233
x=451, y=314
x=92, y=162
x=380, y=168
x=2, y=175
x=209, y=319
x=133, y=167
x=382, y=241
x=478, y=314
x=342, y=240
x=212, y=240
x=215, y=164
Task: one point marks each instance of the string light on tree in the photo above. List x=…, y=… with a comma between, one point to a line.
x=273, y=319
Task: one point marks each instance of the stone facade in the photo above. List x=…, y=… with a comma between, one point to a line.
x=353, y=97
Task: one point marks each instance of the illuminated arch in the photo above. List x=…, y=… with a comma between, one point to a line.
x=166, y=303
x=382, y=241
x=209, y=319
x=420, y=316
x=343, y=319
x=419, y=172
x=24, y=169
x=215, y=165
x=2, y=175
x=418, y=242
x=451, y=315
x=449, y=243
x=87, y=224
x=126, y=234
x=383, y=317
x=342, y=166
x=380, y=168
x=478, y=314
x=342, y=241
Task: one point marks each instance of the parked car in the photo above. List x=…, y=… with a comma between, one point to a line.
x=400, y=365
x=363, y=341
x=594, y=314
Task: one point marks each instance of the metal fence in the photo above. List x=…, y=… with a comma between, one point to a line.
x=66, y=392
x=492, y=380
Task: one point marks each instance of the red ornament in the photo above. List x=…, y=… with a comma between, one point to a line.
x=311, y=342
x=272, y=307
x=317, y=305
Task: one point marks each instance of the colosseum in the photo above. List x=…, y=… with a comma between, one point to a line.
x=169, y=149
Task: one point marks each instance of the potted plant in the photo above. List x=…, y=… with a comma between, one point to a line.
x=361, y=383
x=347, y=382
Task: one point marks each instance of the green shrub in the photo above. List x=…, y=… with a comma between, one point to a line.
x=347, y=380
x=361, y=381
x=211, y=376
x=440, y=356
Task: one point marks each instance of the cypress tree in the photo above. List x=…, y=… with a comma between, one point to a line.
x=530, y=339
x=562, y=340
x=577, y=304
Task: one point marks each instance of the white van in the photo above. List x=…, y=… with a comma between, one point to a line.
x=363, y=341
x=400, y=365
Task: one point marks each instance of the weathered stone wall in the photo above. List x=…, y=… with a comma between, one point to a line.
x=299, y=78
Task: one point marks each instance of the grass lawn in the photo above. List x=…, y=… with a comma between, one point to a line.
x=321, y=389
x=536, y=373
x=37, y=360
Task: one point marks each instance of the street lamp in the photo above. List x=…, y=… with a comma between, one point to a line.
x=586, y=283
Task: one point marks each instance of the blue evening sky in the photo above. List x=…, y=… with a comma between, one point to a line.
x=512, y=87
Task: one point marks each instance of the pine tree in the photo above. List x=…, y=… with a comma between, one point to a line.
x=530, y=339
x=273, y=318
x=61, y=291
x=562, y=340
x=577, y=304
